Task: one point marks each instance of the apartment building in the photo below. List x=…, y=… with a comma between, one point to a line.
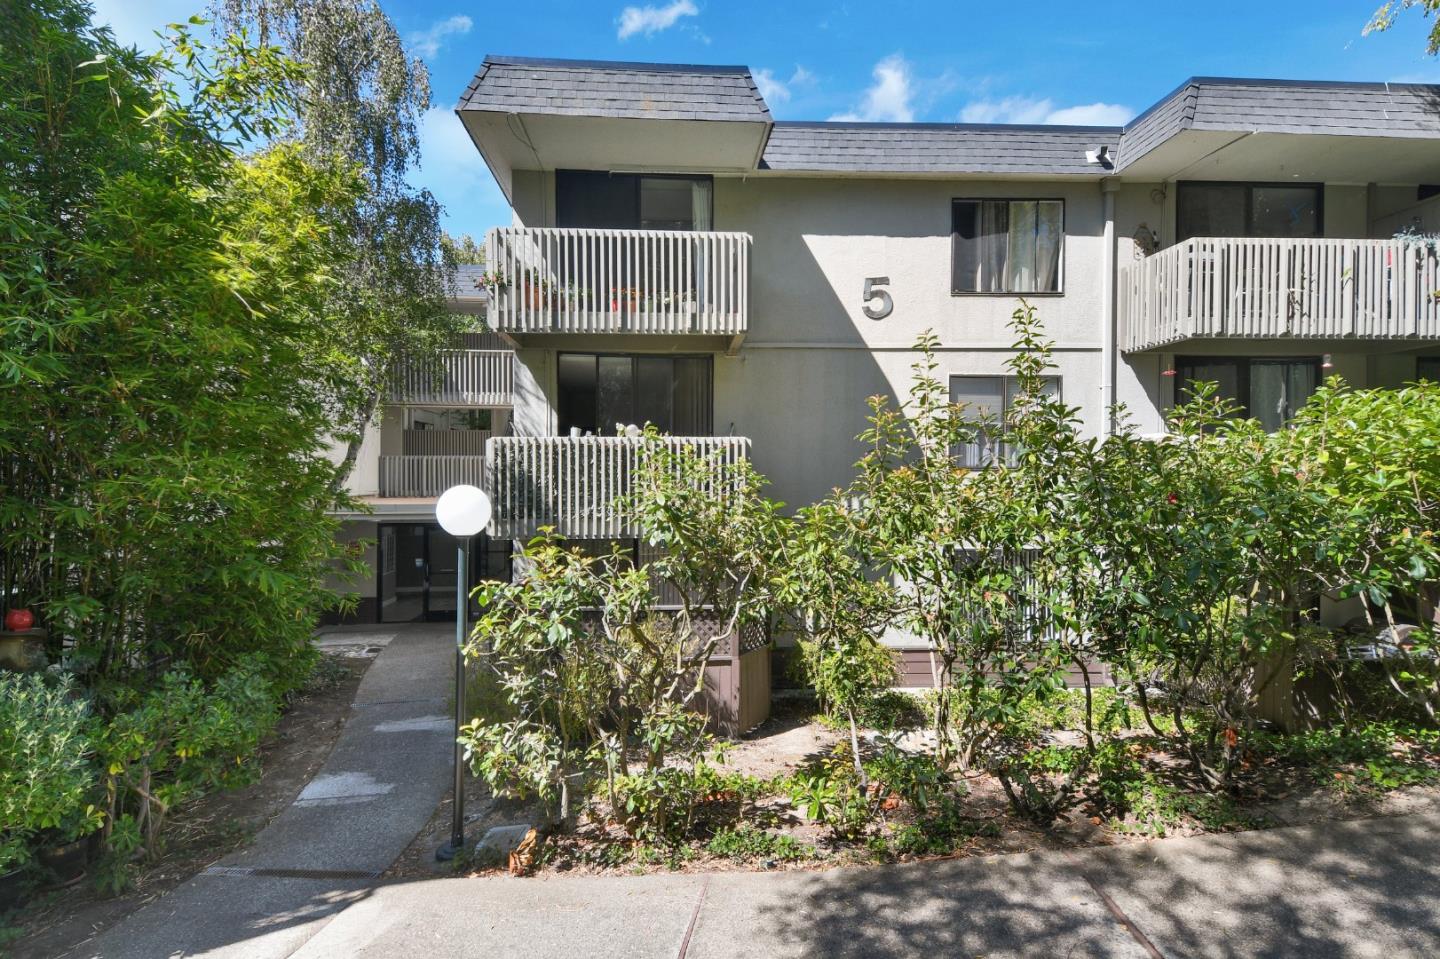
x=679, y=257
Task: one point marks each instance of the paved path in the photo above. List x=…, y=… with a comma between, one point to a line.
x=1355, y=889
x=381, y=784
x=305, y=889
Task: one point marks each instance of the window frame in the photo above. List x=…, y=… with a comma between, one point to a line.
x=1243, y=364
x=1007, y=380
x=596, y=356
x=1250, y=185
x=635, y=181
x=1059, y=266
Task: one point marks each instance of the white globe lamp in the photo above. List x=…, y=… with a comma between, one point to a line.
x=462, y=511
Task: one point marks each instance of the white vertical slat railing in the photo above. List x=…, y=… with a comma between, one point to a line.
x=456, y=378
x=428, y=475
x=572, y=483
x=573, y=280
x=1216, y=287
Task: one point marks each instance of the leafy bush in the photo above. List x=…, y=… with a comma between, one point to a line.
x=659, y=805
x=832, y=793
x=918, y=779
x=749, y=843
x=48, y=779
x=178, y=740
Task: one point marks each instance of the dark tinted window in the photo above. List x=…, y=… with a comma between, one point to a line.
x=1249, y=209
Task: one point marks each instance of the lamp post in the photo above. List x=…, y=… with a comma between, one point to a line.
x=461, y=511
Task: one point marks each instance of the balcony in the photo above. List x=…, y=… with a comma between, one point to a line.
x=423, y=476
x=571, y=483
x=619, y=281
x=456, y=378
x=1231, y=288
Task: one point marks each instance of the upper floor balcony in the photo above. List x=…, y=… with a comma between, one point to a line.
x=572, y=483
x=1209, y=288
x=456, y=378
x=580, y=280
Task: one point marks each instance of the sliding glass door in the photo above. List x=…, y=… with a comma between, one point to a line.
x=598, y=392
x=1269, y=390
x=418, y=568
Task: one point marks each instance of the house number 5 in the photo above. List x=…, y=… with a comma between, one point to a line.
x=873, y=293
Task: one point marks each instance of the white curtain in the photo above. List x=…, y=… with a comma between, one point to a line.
x=700, y=193
x=994, y=246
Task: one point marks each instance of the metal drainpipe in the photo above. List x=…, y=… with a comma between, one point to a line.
x=1108, y=188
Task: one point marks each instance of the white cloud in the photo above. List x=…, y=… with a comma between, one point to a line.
x=888, y=98
x=801, y=77
x=648, y=20
x=1093, y=115
x=427, y=43
x=773, y=90
x=1043, y=110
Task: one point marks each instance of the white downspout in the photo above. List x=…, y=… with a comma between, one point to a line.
x=1108, y=188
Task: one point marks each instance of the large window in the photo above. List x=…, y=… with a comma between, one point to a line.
x=1006, y=246
x=1249, y=209
x=628, y=201
x=987, y=401
x=1427, y=369
x=1270, y=390
x=597, y=392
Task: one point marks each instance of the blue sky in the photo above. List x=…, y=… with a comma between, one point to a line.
x=922, y=60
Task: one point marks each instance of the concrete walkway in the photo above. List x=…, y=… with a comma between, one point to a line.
x=1354, y=889
x=306, y=888
x=381, y=784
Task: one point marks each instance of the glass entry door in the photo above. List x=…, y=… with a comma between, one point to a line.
x=418, y=563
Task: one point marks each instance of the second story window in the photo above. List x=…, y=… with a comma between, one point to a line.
x=987, y=401
x=628, y=201
x=1006, y=246
x=1249, y=209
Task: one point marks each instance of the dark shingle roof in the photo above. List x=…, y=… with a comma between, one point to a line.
x=935, y=148
x=651, y=91
x=1337, y=108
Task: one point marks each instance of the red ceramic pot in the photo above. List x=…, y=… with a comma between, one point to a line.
x=17, y=620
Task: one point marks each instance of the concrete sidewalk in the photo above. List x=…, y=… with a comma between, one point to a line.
x=381, y=784
x=306, y=888
x=1354, y=889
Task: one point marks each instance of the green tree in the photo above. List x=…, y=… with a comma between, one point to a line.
x=463, y=249
x=359, y=101
x=166, y=383
x=1384, y=18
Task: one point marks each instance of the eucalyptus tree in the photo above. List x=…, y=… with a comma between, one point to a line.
x=360, y=100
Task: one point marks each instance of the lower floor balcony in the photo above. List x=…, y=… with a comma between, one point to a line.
x=572, y=483
x=420, y=476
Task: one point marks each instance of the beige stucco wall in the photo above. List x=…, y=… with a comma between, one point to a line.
x=797, y=386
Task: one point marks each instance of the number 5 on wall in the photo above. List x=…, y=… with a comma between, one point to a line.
x=872, y=293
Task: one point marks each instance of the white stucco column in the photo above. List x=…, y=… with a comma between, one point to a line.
x=1108, y=188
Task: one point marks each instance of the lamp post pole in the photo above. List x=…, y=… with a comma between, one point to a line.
x=462, y=611
x=462, y=511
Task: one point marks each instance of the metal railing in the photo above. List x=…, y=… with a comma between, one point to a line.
x=572, y=483
x=570, y=280
x=456, y=378
x=1216, y=287
x=428, y=475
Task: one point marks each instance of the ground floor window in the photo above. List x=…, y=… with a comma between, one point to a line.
x=1271, y=390
x=987, y=400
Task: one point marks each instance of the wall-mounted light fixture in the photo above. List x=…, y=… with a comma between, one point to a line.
x=1326, y=363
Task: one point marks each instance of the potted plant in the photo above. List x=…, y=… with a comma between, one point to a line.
x=627, y=299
